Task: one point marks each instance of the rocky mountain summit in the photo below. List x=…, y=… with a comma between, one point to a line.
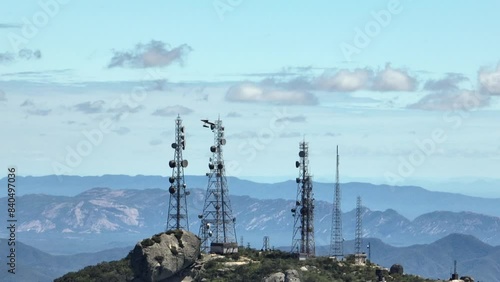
x=163, y=257
x=174, y=256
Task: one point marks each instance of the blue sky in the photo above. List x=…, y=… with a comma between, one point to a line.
x=409, y=90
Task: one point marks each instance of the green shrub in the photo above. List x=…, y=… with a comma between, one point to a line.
x=147, y=242
x=157, y=238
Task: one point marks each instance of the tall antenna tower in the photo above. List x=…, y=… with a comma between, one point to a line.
x=266, y=245
x=359, y=227
x=303, y=212
x=217, y=221
x=177, y=208
x=336, y=239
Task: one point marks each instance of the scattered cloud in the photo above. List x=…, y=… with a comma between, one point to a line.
x=266, y=93
x=346, y=80
x=233, y=115
x=23, y=54
x=299, y=118
x=297, y=83
x=152, y=54
x=6, y=57
x=172, y=111
x=28, y=54
x=121, y=130
x=123, y=111
x=32, y=109
x=93, y=107
x=38, y=112
x=450, y=82
x=126, y=109
x=490, y=81
x=27, y=103
x=447, y=101
x=391, y=79
x=158, y=85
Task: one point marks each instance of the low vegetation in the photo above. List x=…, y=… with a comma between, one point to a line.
x=258, y=265
x=318, y=269
x=114, y=271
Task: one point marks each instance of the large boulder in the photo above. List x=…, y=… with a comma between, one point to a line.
x=164, y=255
x=291, y=275
x=275, y=277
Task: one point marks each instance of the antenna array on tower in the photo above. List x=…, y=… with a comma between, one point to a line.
x=303, y=212
x=266, y=245
x=217, y=228
x=177, y=208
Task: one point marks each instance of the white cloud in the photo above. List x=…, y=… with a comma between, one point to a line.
x=391, y=79
x=172, y=111
x=388, y=79
x=255, y=93
x=450, y=82
x=152, y=54
x=346, y=80
x=460, y=100
x=490, y=81
x=299, y=118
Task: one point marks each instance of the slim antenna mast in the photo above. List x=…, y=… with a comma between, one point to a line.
x=359, y=227
x=336, y=239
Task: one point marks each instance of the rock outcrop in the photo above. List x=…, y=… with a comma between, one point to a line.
x=291, y=275
x=164, y=255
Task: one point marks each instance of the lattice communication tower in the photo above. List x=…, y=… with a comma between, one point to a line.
x=303, y=212
x=217, y=228
x=177, y=208
x=336, y=239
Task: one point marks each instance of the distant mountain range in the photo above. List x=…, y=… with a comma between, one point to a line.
x=435, y=260
x=68, y=217
x=35, y=265
x=104, y=218
x=410, y=201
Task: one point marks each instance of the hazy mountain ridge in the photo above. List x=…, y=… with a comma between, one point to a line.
x=410, y=201
x=434, y=260
x=131, y=214
x=36, y=265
